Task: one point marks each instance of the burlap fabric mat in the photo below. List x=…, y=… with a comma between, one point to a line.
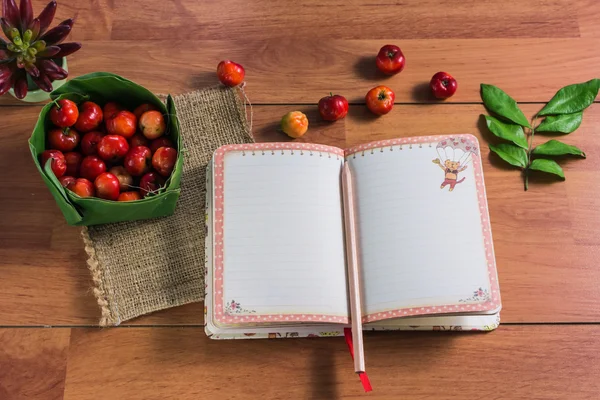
x=144, y=266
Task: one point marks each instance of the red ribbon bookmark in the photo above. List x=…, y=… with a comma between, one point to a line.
x=364, y=379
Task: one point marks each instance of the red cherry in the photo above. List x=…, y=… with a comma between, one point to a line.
x=90, y=117
x=230, y=73
x=89, y=142
x=83, y=188
x=107, y=186
x=150, y=183
x=161, y=142
x=64, y=113
x=164, y=160
x=113, y=148
x=390, y=59
x=58, y=164
x=65, y=139
x=73, y=160
x=333, y=107
x=91, y=167
x=138, y=160
x=443, y=85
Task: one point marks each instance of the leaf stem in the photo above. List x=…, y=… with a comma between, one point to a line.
x=529, y=152
x=531, y=141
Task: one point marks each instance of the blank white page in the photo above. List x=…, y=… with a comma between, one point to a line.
x=283, y=241
x=420, y=245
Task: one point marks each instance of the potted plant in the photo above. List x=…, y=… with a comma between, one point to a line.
x=32, y=59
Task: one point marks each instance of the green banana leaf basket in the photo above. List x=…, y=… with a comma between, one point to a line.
x=101, y=87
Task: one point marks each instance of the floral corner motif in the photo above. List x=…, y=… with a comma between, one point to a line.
x=233, y=307
x=480, y=295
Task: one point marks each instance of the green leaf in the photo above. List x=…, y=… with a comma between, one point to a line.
x=549, y=166
x=572, y=98
x=506, y=131
x=564, y=123
x=497, y=101
x=557, y=148
x=512, y=154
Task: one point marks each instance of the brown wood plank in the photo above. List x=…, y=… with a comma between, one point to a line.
x=429, y=19
x=515, y=362
x=287, y=71
x=588, y=18
x=33, y=363
x=545, y=239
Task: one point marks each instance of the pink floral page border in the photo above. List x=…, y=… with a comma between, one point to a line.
x=220, y=313
x=494, y=300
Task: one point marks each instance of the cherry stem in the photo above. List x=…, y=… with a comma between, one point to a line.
x=55, y=102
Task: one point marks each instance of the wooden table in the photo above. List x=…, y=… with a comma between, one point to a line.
x=546, y=239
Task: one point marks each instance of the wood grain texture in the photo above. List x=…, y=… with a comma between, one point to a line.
x=528, y=362
x=33, y=363
x=431, y=19
x=546, y=240
x=288, y=71
x=588, y=18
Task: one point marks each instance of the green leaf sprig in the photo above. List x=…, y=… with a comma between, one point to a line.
x=562, y=114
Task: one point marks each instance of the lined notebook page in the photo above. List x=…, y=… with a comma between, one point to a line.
x=283, y=241
x=420, y=245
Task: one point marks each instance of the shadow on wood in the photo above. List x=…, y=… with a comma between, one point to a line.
x=323, y=370
x=366, y=68
x=421, y=93
x=363, y=114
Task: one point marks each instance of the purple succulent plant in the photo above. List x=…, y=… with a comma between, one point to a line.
x=31, y=48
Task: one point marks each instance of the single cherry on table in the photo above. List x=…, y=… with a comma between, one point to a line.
x=390, y=59
x=333, y=107
x=380, y=100
x=230, y=73
x=294, y=124
x=443, y=85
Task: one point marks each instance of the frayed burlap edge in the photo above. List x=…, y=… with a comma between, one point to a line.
x=107, y=318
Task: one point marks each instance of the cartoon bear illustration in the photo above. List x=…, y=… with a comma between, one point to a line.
x=451, y=170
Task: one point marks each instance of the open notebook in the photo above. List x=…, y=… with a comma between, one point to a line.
x=275, y=248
